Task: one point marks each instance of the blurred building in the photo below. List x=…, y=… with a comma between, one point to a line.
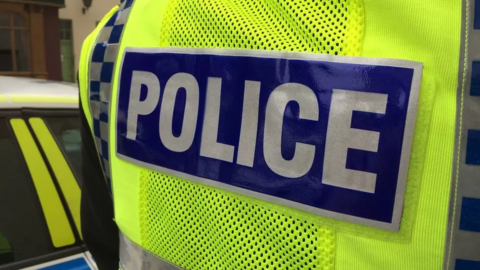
x=29, y=45
x=76, y=23
x=43, y=38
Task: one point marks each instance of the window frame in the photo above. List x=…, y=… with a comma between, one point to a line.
x=12, y=28
x=67, y=31
x=64, y=30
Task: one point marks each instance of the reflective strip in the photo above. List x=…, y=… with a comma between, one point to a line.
x=52, y=207
x=10, y=105
x=3, y=98
x=90, y=260
x=101, y=72
x=133, y=257
x=43, y=99
x=60, y=167
x=463, y=240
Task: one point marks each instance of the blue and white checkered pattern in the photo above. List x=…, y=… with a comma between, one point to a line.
x=102, y=65
x=465, y=242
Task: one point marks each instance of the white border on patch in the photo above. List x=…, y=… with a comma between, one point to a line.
x=407, y=136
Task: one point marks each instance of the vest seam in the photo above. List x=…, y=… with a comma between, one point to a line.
x=460, y=126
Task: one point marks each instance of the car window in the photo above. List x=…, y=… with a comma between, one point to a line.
x=23, y=230
x=66, y=131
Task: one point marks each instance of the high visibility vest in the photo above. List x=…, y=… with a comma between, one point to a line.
x=289, y=134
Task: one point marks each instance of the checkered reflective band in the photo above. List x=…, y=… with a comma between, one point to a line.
x=102, y=66
x=462, y=250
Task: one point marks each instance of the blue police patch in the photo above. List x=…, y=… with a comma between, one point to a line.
x=325, y=134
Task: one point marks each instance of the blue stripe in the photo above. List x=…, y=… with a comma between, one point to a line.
x=95, y=90
x=129, y=3
x=105, y=150
x=476, y=20
x=109, y=183
x=96, y=127
x=475, y=83
x=103, y=112
x=467, y=265
x=77, y=264
x=116, y=34
x=473, y=147
x=107, y=72
x=99, y=52
x=470, y=215
x=111, y=21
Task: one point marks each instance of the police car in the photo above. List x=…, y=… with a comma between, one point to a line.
x=40, y=176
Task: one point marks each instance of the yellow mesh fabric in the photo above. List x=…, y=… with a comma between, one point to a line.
x=201, y=228
x=320, y=26
x=198, y=227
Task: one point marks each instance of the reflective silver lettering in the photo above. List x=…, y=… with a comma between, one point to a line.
x=185, y=140
x=248, y=131
x=210, y=146
x=302, y=160
x=145, y=107
x=340, y=137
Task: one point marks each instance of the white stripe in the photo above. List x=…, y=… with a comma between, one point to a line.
x=134, y=257
x=5, y=105
x=91, y=261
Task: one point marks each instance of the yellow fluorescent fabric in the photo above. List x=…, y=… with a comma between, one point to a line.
x=429, y=32
x=63, y=173
x=199, y=227
x=42, y=99
x=299, y=26
x=162, y=19
x=126, y=176
x=3, y=98
x=55, y=216
x=331, y=27
x=83, y=75
x=424, y=31
x=222, y=32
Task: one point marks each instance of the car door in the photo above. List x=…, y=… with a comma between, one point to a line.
x=40, y=191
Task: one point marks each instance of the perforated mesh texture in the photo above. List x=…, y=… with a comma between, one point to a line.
x=321, y=26
x=198, y=227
